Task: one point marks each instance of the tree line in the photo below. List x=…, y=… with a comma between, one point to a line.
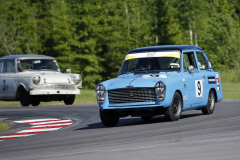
x=92, y=36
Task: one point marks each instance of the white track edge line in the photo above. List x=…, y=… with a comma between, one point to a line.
x=38, y=130
x=17, y=136
x=36, y=120
x=52, y=125
x=49, y=122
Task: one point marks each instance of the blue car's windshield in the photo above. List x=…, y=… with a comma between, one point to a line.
x=151, y=64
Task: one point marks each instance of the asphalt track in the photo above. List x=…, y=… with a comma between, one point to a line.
x=193, y=137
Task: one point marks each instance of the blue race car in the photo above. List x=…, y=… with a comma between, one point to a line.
x=160, y=80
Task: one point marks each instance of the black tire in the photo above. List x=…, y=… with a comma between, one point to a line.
x=109, y=118
x=146, y=117
x=35, y=102
x=209, y=108
x=69, y=100
x=174, y=111
x=25, y=98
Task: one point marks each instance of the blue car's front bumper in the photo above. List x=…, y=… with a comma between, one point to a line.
x=106, y=105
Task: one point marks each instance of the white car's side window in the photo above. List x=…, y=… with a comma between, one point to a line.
x=9, y=66
x=1, y=66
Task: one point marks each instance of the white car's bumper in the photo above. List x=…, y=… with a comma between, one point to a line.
x=54, y=89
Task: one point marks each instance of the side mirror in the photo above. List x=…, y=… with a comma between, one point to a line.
x=190, y=68
x=69, y=70
x=210, y=65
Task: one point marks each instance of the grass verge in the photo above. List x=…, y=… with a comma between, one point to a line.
x=87, y=96
x=4, y=126
x=231, y=84
x=231, y=90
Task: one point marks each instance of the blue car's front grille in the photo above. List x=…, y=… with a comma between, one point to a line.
x=131, y=95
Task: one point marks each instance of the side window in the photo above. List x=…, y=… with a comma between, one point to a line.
x=1, y=66
x=202, y=62
x=8, y=66
x=189, y=60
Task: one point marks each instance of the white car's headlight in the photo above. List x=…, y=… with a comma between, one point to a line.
x=77, y=79
x=101, y=93
x=36, y=79
x=160, y=89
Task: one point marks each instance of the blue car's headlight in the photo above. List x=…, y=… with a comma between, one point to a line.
x=100, y=93
x=160, y=89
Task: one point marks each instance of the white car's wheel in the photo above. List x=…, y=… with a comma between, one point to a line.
x=25, y=98
x=69, y=100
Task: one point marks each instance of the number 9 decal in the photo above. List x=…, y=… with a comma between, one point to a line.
x=199, y=88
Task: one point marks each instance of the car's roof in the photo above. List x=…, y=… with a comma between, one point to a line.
x=26, y=56
x=165, y=48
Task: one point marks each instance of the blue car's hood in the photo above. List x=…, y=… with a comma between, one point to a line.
x=146, y=80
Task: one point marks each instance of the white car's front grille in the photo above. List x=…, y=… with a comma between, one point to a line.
x=56, y=87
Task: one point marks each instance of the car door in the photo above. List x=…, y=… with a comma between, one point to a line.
x=8, y=80
x=193, y=81
x=204, y=68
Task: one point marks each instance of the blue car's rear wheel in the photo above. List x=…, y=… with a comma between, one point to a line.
x=209, y=108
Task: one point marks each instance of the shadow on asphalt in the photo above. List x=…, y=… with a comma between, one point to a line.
x=129, y=121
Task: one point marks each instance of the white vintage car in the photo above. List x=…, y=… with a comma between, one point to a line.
x=31, y=79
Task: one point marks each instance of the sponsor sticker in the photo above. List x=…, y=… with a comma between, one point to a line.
x=211, y=80
x=185, y=97
x=175, y=54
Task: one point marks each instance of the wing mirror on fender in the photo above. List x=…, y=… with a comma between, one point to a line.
x=69, y=70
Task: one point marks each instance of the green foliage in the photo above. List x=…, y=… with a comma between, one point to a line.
x=92, y=37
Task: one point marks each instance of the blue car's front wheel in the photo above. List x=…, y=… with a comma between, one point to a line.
x=174, y=111
x=109, y=118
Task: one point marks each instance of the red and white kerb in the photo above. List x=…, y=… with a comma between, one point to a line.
x=38, y=126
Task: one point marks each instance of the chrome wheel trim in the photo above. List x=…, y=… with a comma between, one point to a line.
x=211, y=101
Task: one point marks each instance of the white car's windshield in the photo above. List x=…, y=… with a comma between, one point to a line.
x=153, y=62
x=38, y=64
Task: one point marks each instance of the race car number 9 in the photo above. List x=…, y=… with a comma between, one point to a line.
x=199, y=88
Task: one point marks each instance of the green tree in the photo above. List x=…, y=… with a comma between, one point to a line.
x=14, y=26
